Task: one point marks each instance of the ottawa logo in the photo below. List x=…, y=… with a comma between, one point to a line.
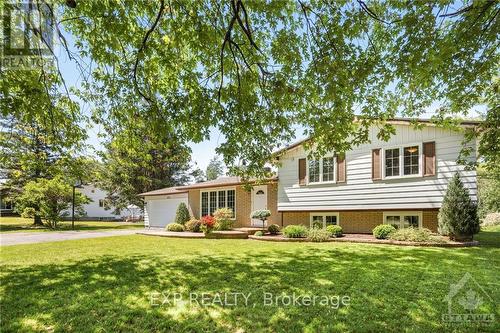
x=468, y=302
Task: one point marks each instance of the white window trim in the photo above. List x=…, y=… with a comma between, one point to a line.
x=217, y=200
x=334, y=181
x=402, y=214
x=401, y=160
x=324, y=219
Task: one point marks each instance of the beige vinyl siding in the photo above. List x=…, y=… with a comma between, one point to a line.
x=363, y=193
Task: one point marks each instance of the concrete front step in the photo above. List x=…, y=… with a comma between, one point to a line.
x=230, y=234
x=249, y=230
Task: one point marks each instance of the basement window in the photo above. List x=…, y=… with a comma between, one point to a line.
x=403, y=219
x=323, y=219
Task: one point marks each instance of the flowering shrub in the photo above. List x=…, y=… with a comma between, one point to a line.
x=193, y=225
x=411, y=235
x=318, y=235
x=223, y=219
x=207, y=224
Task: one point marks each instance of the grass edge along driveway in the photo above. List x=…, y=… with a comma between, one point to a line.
x=106, y=284
x=19, y=224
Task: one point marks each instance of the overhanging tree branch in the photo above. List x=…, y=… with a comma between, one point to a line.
x=143, y=47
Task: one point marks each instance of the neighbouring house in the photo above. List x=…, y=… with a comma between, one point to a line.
x=99, y=208
x=401, y=182
x=6, y=205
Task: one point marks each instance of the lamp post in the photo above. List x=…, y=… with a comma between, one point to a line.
x=77, y=184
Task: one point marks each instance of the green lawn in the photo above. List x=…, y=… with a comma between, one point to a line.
x=14, y=224
x=105, y=284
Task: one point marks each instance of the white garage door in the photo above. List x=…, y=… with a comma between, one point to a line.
x=161, y=211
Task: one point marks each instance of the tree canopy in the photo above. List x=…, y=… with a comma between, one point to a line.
x=257, y=69
x=41, y=132
x=50, y=199
x=139, y=161
x=40, y=128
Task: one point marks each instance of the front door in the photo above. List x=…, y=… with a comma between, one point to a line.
x=259, y=201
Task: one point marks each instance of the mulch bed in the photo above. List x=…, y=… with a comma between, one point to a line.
x=366, y=238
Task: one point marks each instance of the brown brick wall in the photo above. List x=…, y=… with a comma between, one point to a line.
x=430, y=219
x=243, y=207
x=295, y=218
x=272, y=204
x=359, y=221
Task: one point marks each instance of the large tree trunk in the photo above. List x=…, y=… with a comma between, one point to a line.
x=37, y=220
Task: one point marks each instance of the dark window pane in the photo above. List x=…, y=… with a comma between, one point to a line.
x=213, y=202
x=392, y=162
x=313, y=171
x=222, y=199
x=231, y=200
x=331, y=220
x=204, y=203
x=393, y=220
x=317, y=221
x=411, y=160
x=328, y=169
x=411, y=221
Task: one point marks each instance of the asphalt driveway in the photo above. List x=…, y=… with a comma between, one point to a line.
x=14, y=238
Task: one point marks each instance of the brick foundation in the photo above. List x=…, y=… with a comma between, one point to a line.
x=359, y=221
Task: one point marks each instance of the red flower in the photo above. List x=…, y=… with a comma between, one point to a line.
x=208, y=221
